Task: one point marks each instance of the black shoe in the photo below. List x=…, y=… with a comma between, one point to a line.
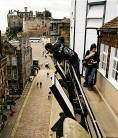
x=85, y=85
x=90, y=88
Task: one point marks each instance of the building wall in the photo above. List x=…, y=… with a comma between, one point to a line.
x=18, y=71
x=83, y=38
x=3, y=76
x=12, y=69
x=109, y=92
x=111, y=6
x=36, y=26
x=26, y=63
x=72, y=13
x=60, y=27
x=14, y=21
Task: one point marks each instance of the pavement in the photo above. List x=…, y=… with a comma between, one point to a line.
x=34, y=118
x=11, y=120
x=106, y=118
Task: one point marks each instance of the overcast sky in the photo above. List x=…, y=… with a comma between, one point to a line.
x=59, y=8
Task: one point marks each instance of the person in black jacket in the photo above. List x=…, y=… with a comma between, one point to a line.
x=61, y=52
x=92, y=59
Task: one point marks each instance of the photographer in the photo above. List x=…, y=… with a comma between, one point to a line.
x=92, y=59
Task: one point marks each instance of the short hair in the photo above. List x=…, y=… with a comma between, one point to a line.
x=48, y=46
x=61, y=39
x=92, y=46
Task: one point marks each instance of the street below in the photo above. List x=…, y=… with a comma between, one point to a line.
x=33, y=120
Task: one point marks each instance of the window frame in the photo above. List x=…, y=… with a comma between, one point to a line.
x=103, y=52
x=111, y=67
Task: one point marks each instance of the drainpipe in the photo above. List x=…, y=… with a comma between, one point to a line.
x=74, y=27
x=104, y=13
x=98, y=51
x=98, y=42
x=85, y=32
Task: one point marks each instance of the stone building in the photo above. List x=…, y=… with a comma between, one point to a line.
x=15, y=20
x=3, y=71
x=19, y=63
x=60, y=27
x=37, y=25
x=107, y=76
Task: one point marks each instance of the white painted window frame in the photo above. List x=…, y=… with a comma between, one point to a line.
x=102, y=52
x=112, y=58
x=95, y=16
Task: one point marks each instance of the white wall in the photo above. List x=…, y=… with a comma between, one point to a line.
x=111, y=10
x=80, y=26
x=72, y=23
x=91, y=37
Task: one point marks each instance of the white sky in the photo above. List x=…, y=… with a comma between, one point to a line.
x=59, y=8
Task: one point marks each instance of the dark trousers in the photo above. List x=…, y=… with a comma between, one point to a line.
x=77, y=70
x=90, y=76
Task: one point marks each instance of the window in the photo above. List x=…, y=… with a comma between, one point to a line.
x=15, y=74
x=103, y=58
x=114, y=72
x=8, y=60
x=14, y=61
x=9, y=74
x=95, y=14
x=113, y=68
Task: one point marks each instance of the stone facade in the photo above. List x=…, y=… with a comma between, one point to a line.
x=34, y=25
x=3, y=72
x=38, y=25
x=19, y=63
x=60, y=27
x=3, y=76
x=15, y=20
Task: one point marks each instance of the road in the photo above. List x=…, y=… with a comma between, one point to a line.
x=34, y=117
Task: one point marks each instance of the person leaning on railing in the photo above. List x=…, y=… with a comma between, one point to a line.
x=61, y=52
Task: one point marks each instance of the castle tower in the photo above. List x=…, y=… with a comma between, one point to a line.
x=26, y=9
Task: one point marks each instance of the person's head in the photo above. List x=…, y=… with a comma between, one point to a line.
x=61, y=39
x=48, y=47
x=93, y=47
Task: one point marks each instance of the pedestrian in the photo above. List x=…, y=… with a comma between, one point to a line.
x=40, y=84
x=11, y=111
x=92, y=61
x=61, y=52
x=47, y=74
x=49, y=95
x=43, y=53
x=37, y=84
x=45, y=56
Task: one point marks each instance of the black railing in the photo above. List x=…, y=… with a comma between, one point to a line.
x=79, y=101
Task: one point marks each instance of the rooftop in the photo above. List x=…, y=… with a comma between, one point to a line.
x=113, y=24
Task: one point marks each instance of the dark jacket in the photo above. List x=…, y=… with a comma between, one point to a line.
x=95, y=58
x=60, y=52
